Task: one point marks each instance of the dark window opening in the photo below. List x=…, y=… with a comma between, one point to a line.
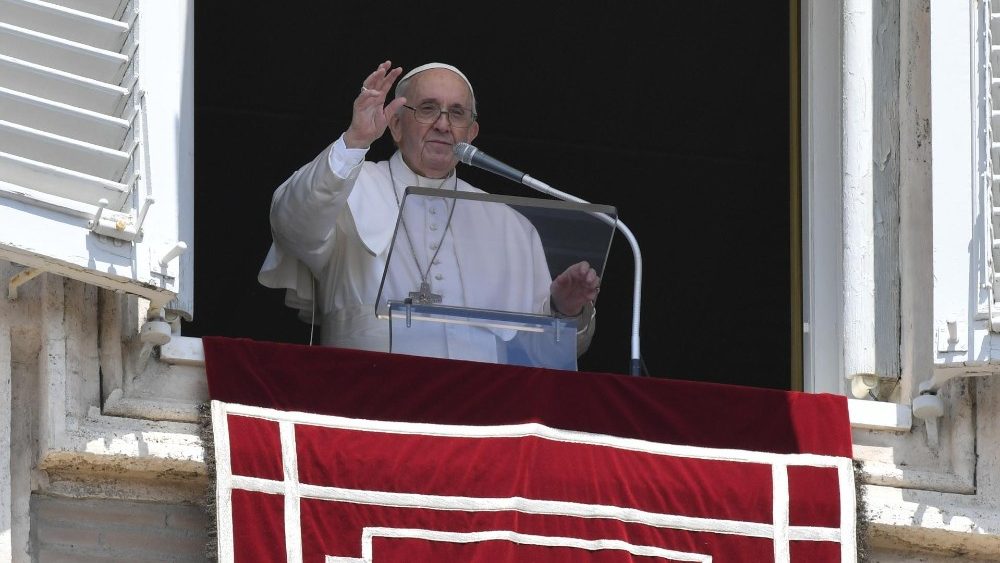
x=676, y=114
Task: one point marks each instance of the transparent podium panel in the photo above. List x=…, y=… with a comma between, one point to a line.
x=489, y=336
x=470, y=275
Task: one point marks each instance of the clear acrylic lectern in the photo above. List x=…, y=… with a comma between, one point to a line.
x=468, y=275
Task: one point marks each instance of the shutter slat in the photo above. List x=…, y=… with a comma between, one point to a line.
x=74, y=125
x=61, y=182
x=59, y=86
x=47, y=201
x=104, y=8
x=990, y=58
x=87, y=158
x=62, y=119
x=74, y=25
x=61, y=100
x=60, y=54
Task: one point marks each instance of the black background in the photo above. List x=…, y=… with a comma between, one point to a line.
x=674, y=112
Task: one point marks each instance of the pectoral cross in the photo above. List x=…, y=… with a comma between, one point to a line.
x=424, y=296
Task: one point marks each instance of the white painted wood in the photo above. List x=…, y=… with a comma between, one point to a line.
x=62, y=119
x=73, y=25
x=952, y=165
x=85, y=256
x=47, y=168
x=104, y=8
x=60, y=54
x=821, y=197
x=65, y=232
x=985, y=127
x=51, y=202
x=63, y=152
x=24, y=175
x=60, y=86
x=858, y=198
x=166, y=69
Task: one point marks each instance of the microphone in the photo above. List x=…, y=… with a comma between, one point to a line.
x=474, y=157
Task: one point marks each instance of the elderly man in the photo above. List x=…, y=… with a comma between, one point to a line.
x=333, y=221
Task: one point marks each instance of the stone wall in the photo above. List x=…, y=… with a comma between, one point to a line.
x=85, y=530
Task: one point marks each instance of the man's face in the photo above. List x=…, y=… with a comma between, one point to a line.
x=427, y=148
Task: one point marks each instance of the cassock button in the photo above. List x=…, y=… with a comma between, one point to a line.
x=433, y=227
x=439, y=277
x=434, y=246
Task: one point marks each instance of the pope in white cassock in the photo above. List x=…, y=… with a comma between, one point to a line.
x=333, y=221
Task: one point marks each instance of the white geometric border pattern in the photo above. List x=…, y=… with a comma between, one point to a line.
x=779, y=531
x=368, y=534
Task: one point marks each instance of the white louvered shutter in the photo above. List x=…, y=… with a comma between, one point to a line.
x=96, y=142
x=988, y=59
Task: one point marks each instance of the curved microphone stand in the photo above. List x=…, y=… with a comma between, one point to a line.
x=474, y=157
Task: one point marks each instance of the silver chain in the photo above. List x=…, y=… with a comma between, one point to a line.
x=424, y=273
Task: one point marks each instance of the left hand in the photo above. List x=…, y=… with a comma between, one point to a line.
x=574, y=288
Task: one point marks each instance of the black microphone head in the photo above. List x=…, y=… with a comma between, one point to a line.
x=464, y=152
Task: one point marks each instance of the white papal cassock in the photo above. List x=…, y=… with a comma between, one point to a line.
x=334, y=219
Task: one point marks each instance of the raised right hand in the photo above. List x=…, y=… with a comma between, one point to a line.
x=371, y=115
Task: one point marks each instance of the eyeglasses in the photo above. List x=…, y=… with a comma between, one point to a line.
x=428, y=113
